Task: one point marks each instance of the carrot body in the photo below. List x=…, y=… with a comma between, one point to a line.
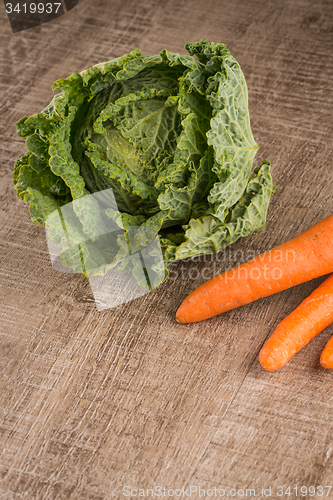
x=310, y=318
x=300, y=259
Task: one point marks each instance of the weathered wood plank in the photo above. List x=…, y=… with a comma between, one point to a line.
x=93, y=401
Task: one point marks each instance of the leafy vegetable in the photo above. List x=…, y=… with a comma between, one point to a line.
x=170, y=135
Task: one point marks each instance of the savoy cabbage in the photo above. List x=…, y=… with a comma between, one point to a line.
x=170, y=135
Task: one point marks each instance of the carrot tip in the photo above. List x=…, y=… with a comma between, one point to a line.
x=179, y=318
x=326, y=364
x=269, y=368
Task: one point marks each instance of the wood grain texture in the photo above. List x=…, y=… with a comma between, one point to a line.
x=95, y=401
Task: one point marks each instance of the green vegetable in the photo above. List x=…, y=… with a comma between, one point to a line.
x=170, y=135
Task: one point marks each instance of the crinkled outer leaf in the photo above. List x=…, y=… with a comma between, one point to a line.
x=145, y=149
x=249, y=215
x=230, y=135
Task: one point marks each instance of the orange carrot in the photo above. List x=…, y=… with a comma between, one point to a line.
x=326, y=358
x=301, y=259
x=310, y=318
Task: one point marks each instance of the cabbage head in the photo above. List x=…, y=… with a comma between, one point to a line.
x=170, y=135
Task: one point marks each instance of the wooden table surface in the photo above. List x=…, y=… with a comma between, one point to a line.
x=95, y=402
